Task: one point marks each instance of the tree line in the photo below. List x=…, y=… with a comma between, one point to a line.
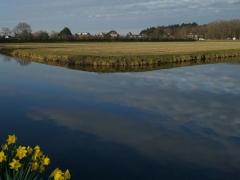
x=219, y=29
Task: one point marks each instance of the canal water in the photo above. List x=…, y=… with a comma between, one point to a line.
x=180, y=123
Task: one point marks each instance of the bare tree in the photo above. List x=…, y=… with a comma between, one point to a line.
x=6, y=31
x=235, y=27
x=182, y=33
x=22, y=27
x=23, y=31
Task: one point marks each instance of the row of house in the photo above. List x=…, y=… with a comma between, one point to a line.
x=129, y=35
x=136, y=36
x=111, y=34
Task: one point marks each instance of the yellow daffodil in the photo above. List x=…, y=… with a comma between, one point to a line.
x=15, y=164
x=40, y=154
x=67, y=174
x=57, y=174
x=37, y=153
x=2, y=156
x=42, y=168
x=35, y=166
x=29, y=150
x=39, y=160
x=37, y=148
x=21, y=152
x=45, y=161
x=34, y=157
x=54, y=172
x=11, y=139
x=5, y=147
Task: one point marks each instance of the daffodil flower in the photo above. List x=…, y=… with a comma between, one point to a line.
x=45, y=161
x=29, y=150
x=11, y=139
x=5, y=147
x=2, y=156
x=35, y=166
x=21, y=152
x=34, y=157
x=15, y=164
x=57, y=174
x=42, y=168
x=67, y=174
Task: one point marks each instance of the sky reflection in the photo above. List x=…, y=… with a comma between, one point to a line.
x=187, y=115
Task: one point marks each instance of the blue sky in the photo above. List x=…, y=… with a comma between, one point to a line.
x=96, y=16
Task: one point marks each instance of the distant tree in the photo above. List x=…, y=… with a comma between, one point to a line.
x=54, y=35
x=23, y=31
x=148, y=31
x=219, y=29
x=202, y=31
x=6, y=31
x=182, y=33
x=65, y=32
x=24, y=36
x=22, y=27
x=235, y=26
x=194, y=24
x=167, y=32
x=41, y=35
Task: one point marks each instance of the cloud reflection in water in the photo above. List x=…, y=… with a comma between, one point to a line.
x=194, y=112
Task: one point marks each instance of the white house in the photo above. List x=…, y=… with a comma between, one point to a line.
x=192, y=36
x=133, y=36
x=83, y=34
x=113, y=34
x=101, y=34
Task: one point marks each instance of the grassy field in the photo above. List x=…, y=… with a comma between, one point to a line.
x=111, y=52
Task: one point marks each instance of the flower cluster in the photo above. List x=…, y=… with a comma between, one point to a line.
x=26, y=162
x=58, y=174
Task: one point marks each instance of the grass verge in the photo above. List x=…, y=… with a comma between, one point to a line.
x=123, y=54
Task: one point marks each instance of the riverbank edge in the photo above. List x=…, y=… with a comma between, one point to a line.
x=131, y=60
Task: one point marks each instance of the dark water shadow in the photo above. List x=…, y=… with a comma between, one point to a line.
x=23, y=62
x=117, y=69
x=7, y=58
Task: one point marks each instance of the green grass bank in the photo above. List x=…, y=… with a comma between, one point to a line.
x=121, y=53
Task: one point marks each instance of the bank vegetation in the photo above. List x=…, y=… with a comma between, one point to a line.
x=123, y=54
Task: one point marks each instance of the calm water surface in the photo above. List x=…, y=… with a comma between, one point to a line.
x=181, y=123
